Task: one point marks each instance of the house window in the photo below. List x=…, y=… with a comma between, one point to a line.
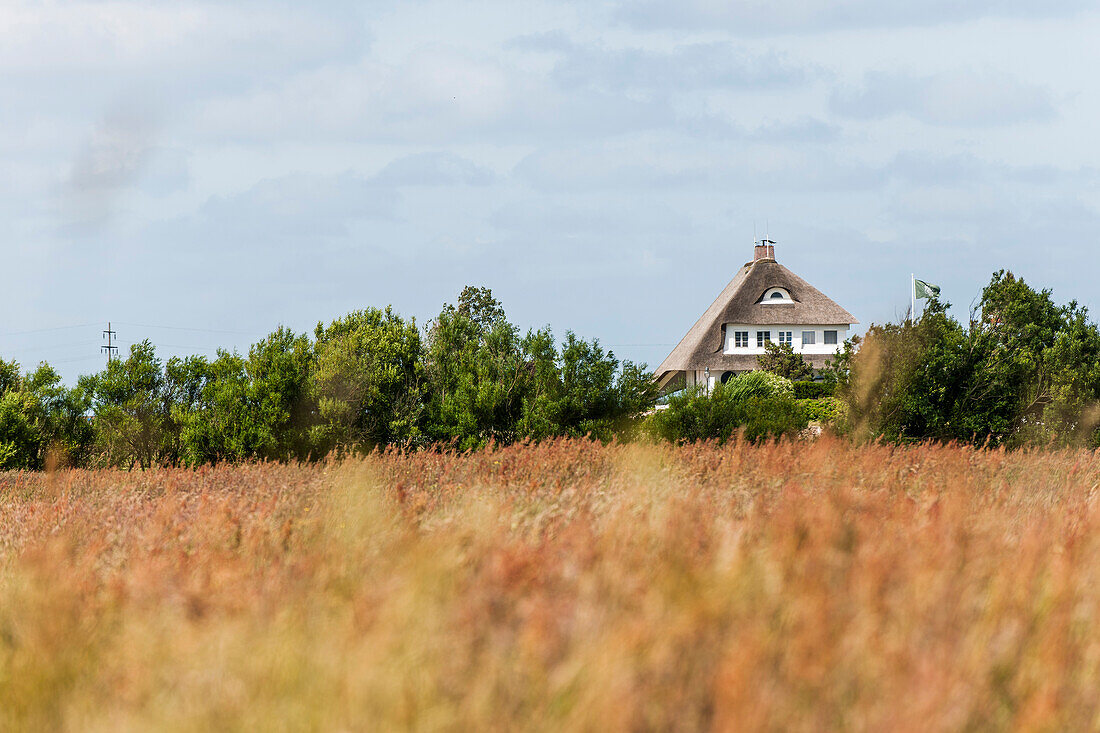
x=763, y=337
x=830, y=337
x=809, y=338
x=741, y=339
x=785, y=337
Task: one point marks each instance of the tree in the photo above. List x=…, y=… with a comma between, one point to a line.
x=19, y=438
x=583, y=391
x=131, y=408
x=1026, y=371
x=218, y=424
x=280, y=409
x=479, y=305
x=486, y=383
x=66, y=437
x=782, y=360
x=366, y=380
x=476, y=374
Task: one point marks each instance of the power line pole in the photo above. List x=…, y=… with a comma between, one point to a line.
x=109, y=348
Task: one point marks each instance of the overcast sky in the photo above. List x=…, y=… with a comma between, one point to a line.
x=200, y=172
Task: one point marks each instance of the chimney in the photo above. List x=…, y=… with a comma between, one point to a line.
x=765, y=250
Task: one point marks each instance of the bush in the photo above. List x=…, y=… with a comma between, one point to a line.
x=827, y=410
x=805, y=390
x=758, y=384
x=749, y=406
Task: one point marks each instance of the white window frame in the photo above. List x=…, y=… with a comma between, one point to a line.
x=786, y=337
x=740, y=339
x=835, y=336
x=763, y=337
x=812, y=340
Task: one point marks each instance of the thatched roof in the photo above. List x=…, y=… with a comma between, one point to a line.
x=740, y=303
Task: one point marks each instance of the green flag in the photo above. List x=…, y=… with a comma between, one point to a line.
x=925, y=290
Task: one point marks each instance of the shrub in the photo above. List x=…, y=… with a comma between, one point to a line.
x=758, y=384
x=827, y=410
x=805, y=390
x=749, y=405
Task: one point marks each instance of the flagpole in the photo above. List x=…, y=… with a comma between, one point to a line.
x=913, y=297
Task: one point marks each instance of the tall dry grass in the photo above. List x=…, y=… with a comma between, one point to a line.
x=565, y=586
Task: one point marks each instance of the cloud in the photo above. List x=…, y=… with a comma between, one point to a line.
x=963, y=99
x=685, y=68
x=66, y=54
x=438, y=168
x=114, y=154
x=289, y=209
x=757, y=168
x=433, y=95
x=761, y=17
x=112, y=158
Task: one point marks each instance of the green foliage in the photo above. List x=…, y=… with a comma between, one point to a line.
x=813, y=390
x=132, y=403
x=485, y=383
x=825, y=410
x=366, y=379
x=279, y=401
x=475, y=372
x=41, y=422
x=19, y=439
x=757, y=408
x=758, y=384
x=781, y=359
x=216, y=425
x=838, y=369
x=9, y=376
x=1026, y=371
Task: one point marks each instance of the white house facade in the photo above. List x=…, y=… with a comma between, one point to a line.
x=765, y=302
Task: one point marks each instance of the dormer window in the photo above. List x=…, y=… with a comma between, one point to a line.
x=774, y=296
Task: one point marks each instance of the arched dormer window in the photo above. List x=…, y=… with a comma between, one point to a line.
x=775, y=296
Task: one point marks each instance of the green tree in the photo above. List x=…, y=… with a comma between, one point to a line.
x=584, y=390
x=476, y=373
x=218, y=425
x=486, y=383
x=1025, y=371
x=19, y=438
x=66, y=437
x=280, y=407
x=132, y=410
x=366, y=380
x=781, y=359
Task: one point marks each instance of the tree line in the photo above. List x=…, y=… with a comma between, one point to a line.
x=1023, y=371
x=369, y=379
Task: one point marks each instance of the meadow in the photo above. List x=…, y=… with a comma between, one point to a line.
x=560, y=586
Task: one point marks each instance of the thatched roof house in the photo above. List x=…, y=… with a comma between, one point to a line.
x=764, y=302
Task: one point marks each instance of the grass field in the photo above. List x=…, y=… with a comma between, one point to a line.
x=796, y=586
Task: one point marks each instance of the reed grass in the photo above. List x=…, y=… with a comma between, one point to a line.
x=566, y=586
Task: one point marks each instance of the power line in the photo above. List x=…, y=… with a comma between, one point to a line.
x=45, y=330
x=49, y=347
x=72, y=360
x=186, y=328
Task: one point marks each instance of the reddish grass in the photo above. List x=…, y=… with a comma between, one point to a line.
x=794, y=586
